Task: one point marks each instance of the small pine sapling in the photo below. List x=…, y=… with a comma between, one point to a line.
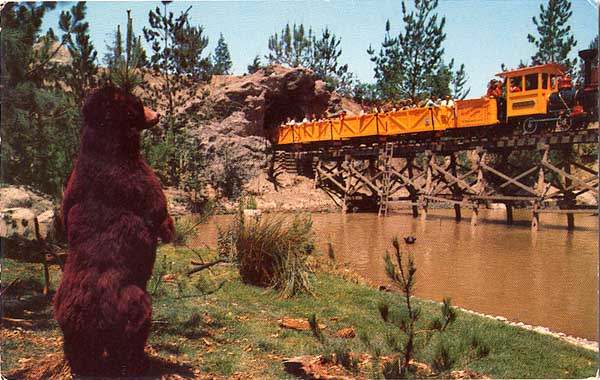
x=402, y=272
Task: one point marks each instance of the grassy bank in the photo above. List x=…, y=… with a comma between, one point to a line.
x=224, y=328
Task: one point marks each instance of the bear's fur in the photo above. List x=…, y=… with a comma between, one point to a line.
x=113, y=213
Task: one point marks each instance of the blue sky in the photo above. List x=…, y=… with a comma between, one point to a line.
x=482, y=34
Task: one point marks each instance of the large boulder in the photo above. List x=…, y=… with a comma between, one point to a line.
x=267, y=97
x=237, y=120
x=26, y=215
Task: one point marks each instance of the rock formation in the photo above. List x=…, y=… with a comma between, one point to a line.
x=241, y=114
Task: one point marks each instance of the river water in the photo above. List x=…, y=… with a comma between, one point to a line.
x=547, y=278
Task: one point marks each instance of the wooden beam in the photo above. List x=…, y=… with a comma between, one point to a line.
x=569, y=176
x=507, y=178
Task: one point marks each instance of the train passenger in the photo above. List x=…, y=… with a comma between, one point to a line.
x=322, y=118
x=290, y=121
x=408, y=104
x=432, y=102
x=495, y=89
x=313, y=117
x=447, y=102
x=515, y=84
x=306, y=118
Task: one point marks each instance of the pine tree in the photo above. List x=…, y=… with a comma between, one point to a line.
x=405, y=64
x=293, y=47
x=255, y=65
x=80, y=75
x=459, y=80
x=325, y=61
x=388, y=70
x=594, y=43
x=124, y=61
x=555, y=39
x=177, y=49
x=222, y=59
x=40, y=122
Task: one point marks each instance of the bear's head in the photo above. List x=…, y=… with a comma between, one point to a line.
x=114, y=120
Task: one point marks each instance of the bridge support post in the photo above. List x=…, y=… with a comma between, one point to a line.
x=569, y=197
x=423, y=208
x=411, y=189
x=456, y=192
x=540, y=190
x=316, y=173
x=347, y=176
x=535, y=219
x=509, y=213
x=475, y=216
x=428, y=184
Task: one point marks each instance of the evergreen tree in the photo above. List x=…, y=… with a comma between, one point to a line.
x=115, y=50
x=255, y=65
x=457, y=85
x=447, y=81
x=405, y=64
x=177, y=49
x=594, y=43
x=293, y=47
x=388, y=70
x=326, y=54
x=222, y=59
x=177, y=57
x=124, y=61
x=40, y=122
x=555, y=39
x=80, y=75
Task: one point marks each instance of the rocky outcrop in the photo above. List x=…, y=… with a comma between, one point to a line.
x=25, y=215
x=239, y=117
x=268, y=96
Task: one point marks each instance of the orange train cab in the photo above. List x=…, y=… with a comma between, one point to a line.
x=528, y=89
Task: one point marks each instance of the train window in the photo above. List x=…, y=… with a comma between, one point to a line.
x=553, y=82
x=531, y=82
x=516, y=84
x=544, y=81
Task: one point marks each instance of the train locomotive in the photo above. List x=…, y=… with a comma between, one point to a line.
x=537, y=98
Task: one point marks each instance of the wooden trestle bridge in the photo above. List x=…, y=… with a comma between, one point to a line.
x=460, y=171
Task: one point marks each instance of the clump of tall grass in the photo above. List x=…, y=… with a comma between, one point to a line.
x=273, y=252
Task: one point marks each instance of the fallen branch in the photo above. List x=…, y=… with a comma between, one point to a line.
x=204, y=266
x=8, y=286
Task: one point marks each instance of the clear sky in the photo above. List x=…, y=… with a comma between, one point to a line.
x=482, y=34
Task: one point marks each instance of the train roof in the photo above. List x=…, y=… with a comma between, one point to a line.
x=552, y=68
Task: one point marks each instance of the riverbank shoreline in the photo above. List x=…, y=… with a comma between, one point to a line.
x=217, y=325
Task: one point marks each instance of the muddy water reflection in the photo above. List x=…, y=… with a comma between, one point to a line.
x=548, y=278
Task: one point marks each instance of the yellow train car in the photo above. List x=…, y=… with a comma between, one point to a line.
x=358, y=126
x=406, y=121
x=443, y=117
x=315, y=131
x=528, y=89
x=476, y=112
x=286, y=135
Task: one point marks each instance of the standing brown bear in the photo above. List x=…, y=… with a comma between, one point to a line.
x=113, y=212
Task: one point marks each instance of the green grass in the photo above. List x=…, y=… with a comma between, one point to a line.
x=221, y=326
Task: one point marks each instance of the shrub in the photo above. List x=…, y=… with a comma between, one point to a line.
x=272, y=252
